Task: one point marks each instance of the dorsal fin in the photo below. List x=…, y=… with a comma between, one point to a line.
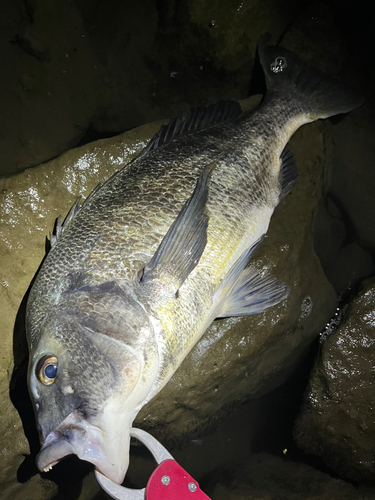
x=60, y=227
x=195, y=120
x=183, y=245
x=288, y=172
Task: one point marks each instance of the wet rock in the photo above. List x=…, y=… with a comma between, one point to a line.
x=50, y=82
x=344, y=233
x=311, y=25
x=352, y=265
x=337, y=421
x=37, y=488
x=233, y=26
x=71, y=71
x=352, y=179
x=267, y=477
x=345, y=262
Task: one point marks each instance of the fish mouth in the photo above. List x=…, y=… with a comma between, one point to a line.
x=108, y=451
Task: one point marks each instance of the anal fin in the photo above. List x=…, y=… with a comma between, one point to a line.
x=246, y=291
x=253, y=293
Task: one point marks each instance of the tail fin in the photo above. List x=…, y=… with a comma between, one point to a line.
x=319, y=96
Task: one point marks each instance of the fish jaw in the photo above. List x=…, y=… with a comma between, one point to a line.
x=105, y=444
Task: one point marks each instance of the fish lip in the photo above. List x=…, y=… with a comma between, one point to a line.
x=56, y=446
x=77, y=436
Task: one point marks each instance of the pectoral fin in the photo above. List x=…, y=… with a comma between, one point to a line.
x=246, y=291
x=185, y=241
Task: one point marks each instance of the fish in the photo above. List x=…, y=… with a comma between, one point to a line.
x=139, y=270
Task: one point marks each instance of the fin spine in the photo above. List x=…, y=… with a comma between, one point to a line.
x=195, y=120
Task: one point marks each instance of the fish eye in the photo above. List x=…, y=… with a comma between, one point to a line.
x=46, y=370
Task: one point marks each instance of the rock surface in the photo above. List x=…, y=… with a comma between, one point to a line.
x=267, y=477
x=346, y=260
x=75, y=70
x=50, y=83
x=337, y=421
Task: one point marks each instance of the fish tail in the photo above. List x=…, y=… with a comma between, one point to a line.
x=319, y=97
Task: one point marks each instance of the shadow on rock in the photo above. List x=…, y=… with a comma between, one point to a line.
x=19, y=394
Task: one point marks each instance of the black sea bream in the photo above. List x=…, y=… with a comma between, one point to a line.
x=138, y=272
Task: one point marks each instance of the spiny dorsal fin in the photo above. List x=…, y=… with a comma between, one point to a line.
x=193, y=121
x=185, y=241
x=60, y=227
x=246, y=291
x=288, y=172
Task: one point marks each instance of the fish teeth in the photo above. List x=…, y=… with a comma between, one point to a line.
x=48, y=468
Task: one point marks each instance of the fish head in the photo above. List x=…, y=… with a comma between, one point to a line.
x=90, y=371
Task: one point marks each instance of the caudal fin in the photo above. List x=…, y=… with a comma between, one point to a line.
x=318, y=96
